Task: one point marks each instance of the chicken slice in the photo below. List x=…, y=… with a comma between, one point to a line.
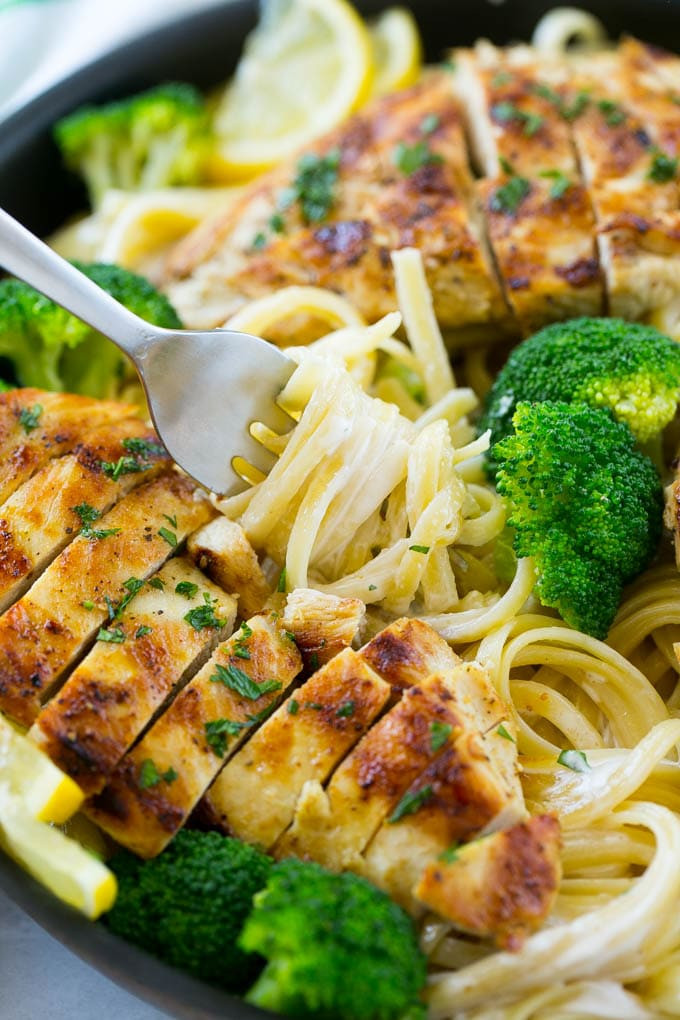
x=538, y=214
x=406, y=652
x=322, y=624
x=402, y=181
x=223, y=551
x=470, y=789
x=502, y=886
x=36, y=426
x=50, y=627
x=70, y=493
x=254, y=797
x=113, y=694
x=334, y=826
x=189, y=744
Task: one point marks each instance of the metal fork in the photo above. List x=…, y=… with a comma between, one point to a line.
x=204, y=389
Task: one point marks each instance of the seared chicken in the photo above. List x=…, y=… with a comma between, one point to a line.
x=189, y=744
x=382, y=200
x=406, y=652
x=222, y=550
x=322, y=624
x=112, y=695
x=502, y=886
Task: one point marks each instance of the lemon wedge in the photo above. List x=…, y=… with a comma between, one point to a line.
x=307, y=65
x=57, y=862
x=397, y=51
x=46, y=792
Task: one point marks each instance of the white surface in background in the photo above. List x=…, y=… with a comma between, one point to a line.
x=42, y=41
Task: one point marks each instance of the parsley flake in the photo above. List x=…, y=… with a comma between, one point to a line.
x=259, y=241
x=663, y=168
x=372, y=587
x=171, y=520
x=88, y=604
x=187, y=588
x=218, y=731
x=567, y=110
x=560, y=185
x=204, y=616
x=132, y=586
x=509, y=196
x=506, y=166
x=612, y=112
x=410, y=803
x=156, y=582
x=439, y=734
x=143, y=631
x=144, y=447
x=315, y=706
x=293, y=707
x=114, y=636
x=236, y=680
x=505, y=733
x=409, y=158
x=507, y=112
x=122, y=466
x=169, y=536
x=574, y=760
x=424, y=549
x=277, y=223
x=451, y=854
x=314, y=186
x=430, y=123
x=346, y=711
x=29, y=419
x=281, y=586
x=149, y=775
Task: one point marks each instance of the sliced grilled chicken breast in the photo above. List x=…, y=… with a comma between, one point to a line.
x=36, y=426
x=50, y=627
x=191, y=741
x=66, y=497
x=255, y=796
x=113, y=694
x=322, y=624
x=407, y=652
x=466, y=790
x=402, y=180
x=222, y=550
x=502, y=886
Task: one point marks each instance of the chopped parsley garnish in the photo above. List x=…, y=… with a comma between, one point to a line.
x=509, y=196
x=169, y=536
x=122, y=466
x=99, y=532
x=372, y=587
x=663, y=169
x=132, y=586
x=204, y=616
x=187, y=588
x=503, y=732
x=451, y=854
x=281, y=586
x=277, y=223
x=218, y=731
x=448, y=65
x=150, y=776
x=293, y=707
x=114, y=635
x=315, y=706
x=314, y=186
x=314, y=660
x=144, y=447
x=240, y=643
x=507, y=112
x=410, y=803
x=236, y=680
x=561, y=183
x=574, y=760
x=424, y=549
x=88, y=515
x=88, y=604
x=409, y=158
x=172, y=521
x=157, y=582
x=430, y=123
x=29, y=419
x=346, y=711
x=143, y=631
x=569, y=111
x=612, y=112
x=506, y=166
x=259, y=241
x=110, y=608
x=439, y=734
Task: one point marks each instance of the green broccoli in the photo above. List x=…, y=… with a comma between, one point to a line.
x=336, y=947
x=187, y=906
x=156, y=139
x=585, y=504
x=629, y=368
x=52, y=349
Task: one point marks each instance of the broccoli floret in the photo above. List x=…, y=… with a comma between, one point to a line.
x=187, y=906
x=156, y=139
x=336, y=947
x=52, y=349
x=585, y=504
x=629, y=368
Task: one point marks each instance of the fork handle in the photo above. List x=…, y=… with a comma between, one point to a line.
x=22, y=254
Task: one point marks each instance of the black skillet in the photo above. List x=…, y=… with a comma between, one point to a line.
x=203, y=48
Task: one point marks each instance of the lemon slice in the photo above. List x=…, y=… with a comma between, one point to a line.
x=307, y=65
x=397, y=51
x=46, y=792
x=57, y=862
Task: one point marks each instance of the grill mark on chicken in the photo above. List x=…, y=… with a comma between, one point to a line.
x=113, y=694
x=145, y=819
x=63, y=421
x=49, y=627
x=39, y=519
x=406, y=652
